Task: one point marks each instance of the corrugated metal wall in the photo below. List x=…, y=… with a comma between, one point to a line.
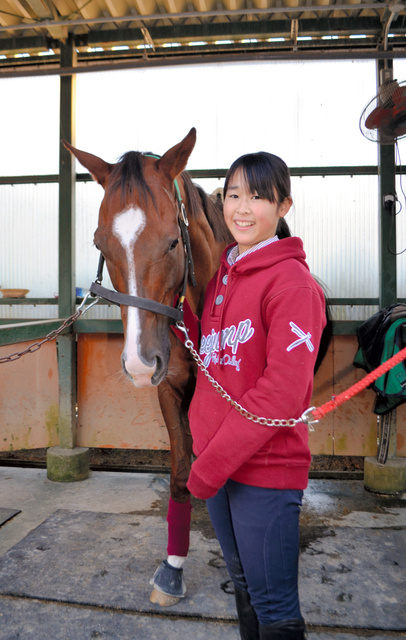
x=306, y=112
x=29, y=246
x=336, y=217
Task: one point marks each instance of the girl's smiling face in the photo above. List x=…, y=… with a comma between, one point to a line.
x=250, y=218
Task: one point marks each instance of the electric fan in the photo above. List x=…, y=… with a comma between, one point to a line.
x=384, y=118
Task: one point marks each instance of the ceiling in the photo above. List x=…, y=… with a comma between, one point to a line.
x=146, y=32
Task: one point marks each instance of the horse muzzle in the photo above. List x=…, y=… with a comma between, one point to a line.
x=143, y=372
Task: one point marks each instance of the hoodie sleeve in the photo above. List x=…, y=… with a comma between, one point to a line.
x=295, y=320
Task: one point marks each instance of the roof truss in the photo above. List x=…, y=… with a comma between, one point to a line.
x=32, y=32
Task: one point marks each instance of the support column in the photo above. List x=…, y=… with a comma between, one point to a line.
x=67, y=462
x=388, y=478
x=387, y=226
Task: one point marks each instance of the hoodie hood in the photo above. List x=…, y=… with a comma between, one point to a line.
x=284, y=259
x=286, y=249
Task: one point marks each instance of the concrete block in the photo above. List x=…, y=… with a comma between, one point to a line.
x=67, y=465
x=388, y=478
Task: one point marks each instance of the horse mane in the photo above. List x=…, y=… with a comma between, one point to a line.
x=128, y=176
x=213, y=209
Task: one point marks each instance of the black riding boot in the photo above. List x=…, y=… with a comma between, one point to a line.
x=284, y=630
x=247, y=618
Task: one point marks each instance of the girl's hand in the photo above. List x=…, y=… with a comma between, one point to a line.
x=199, y=488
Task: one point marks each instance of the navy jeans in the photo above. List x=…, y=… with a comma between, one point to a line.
x=258, y=531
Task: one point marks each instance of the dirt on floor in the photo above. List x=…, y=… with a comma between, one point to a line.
x=151, y=460
x=155, y=461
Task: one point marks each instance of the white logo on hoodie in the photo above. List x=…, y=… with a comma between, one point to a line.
x=303, y=338
x=230, y=337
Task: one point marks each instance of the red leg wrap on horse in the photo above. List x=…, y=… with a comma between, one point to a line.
x=178, y=518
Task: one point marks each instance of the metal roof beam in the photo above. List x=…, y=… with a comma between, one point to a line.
x=47, y=24
x=311, y=26
x=25, y=43
x=284, y=54
x=217, y=29
x=44, y=11
x=22, y=9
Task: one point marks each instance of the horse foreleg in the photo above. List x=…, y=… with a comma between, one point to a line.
x=168, y=581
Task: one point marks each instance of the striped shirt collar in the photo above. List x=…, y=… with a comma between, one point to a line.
x=233, y=255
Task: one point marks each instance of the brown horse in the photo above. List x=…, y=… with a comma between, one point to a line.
x=150, y=217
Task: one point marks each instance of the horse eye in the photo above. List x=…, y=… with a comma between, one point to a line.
x=174, y=244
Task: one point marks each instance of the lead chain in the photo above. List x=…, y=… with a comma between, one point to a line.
x=268, y=422
x=53, y=334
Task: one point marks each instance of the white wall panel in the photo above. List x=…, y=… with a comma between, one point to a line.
x=29, y=238
x=306, y=112
x=337, y=219
x=29, y=113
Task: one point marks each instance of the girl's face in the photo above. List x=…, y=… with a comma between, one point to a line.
x=250, y=218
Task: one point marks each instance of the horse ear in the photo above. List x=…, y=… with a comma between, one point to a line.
x=174, y=161
x=98, y=169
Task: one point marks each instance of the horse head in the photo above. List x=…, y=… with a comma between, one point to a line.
x=138, y=234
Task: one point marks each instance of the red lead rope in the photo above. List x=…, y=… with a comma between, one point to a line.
x=320, y=412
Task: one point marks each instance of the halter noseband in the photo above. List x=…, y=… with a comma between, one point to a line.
x=174, y=313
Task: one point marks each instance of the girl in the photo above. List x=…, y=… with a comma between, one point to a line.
x=261, y=326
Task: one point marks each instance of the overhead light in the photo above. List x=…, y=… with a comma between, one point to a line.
x=224, y=42
x=94, y=49
x=357, y=35
x=121, y=47
x=304, y=38
x=144, y=46
x=276, y=40
x=46, y=53
x=197, y=44
x=22, y=55
x=329, y=37
x=171, y=44
x=249, y=40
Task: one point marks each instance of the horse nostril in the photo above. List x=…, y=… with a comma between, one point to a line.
x=160, y=369
x=128, y=375
x=159, y=363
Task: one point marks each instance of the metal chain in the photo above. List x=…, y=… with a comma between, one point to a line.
x=267, y=422
x=53, y=334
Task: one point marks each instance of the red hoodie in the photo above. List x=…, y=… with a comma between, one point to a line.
x=261, y=327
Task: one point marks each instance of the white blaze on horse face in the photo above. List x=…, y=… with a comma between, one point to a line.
x=127, y=227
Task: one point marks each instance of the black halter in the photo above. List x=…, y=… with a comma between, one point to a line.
x=174, y=313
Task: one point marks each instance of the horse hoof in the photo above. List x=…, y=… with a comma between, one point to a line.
x=169, y=580
x=157, y=597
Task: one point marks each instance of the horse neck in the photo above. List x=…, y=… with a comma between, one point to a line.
x=206, y=251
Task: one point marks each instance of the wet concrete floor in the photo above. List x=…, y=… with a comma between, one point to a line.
x=76, y=559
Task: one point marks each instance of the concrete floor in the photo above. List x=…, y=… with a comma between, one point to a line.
x=76, y=558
